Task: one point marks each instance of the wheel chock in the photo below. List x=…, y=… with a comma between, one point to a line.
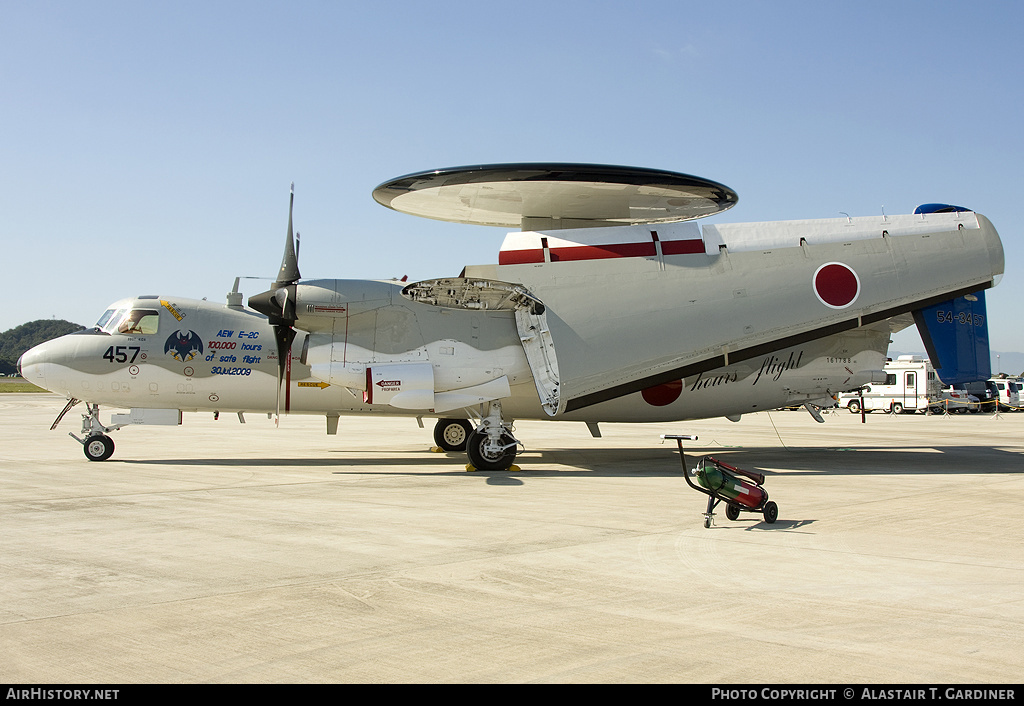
x=511, y=469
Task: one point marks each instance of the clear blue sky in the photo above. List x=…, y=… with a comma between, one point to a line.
x=148, y=147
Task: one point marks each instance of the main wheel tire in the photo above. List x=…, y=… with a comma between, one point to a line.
x=452, y=434
x=483, y=460
x=732, y=512
x=98, y=447
x=771, y=512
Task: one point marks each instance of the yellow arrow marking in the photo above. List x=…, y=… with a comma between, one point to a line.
x=321, y=385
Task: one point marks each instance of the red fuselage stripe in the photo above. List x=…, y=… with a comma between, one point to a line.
x=682, y=247
x=601, y=252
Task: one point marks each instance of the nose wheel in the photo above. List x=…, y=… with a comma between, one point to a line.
x=98, y=447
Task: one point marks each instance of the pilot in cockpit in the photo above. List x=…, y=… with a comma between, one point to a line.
x=136, y=322
x=139, y=322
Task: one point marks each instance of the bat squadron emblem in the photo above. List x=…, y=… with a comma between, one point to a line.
x=184, y=346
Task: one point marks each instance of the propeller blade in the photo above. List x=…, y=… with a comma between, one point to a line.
x=289, y=273
x=284, y=336
x=278, y=304
x=277, y=405
x=281, y=297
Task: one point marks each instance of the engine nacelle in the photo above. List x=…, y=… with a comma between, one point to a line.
x=447, y=375
x=402, y=385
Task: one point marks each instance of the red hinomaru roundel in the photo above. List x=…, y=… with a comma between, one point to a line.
x=836, y=285
x=663, y=395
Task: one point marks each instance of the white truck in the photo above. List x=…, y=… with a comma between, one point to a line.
x=910, y=385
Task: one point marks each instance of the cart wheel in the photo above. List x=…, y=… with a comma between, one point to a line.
x=771, y=512
x=732, y=512
x=707, y=523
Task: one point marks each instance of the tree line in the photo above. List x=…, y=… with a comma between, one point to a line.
x=19, y=339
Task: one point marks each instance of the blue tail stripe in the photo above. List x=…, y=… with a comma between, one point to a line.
x=955, y=334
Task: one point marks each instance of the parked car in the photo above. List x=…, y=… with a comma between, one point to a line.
x=984, y=390
x=956, y=401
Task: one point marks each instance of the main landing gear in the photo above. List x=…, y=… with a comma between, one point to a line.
x=452, y=434
x=491, y=454
x=490, y=446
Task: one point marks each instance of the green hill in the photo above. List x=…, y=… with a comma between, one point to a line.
x=19, y=339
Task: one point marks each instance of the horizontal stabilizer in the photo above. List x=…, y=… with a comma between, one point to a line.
x=955, y=334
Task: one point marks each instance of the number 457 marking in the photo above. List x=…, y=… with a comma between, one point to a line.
x=120, y=354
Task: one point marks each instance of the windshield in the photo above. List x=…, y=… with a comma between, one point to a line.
x=107, y=316
x=131, y=321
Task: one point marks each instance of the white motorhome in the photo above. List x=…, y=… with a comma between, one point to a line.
x=910, y=385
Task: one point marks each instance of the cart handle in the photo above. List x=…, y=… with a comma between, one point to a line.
x=686, y=472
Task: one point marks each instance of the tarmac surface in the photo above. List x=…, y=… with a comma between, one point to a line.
x=222, y=552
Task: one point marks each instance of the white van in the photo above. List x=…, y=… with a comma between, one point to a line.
x=910, y=385
x=1009, y=392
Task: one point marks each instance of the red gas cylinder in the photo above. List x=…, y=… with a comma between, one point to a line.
x=717, y=477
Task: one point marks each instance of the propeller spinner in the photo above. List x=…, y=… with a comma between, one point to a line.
x=278, y=303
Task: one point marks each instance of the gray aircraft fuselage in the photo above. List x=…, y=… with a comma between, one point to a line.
x=623, y=324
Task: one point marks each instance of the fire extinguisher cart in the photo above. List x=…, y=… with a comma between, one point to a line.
x=740, y=490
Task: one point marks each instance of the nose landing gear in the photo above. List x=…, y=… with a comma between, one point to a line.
x=94, y=440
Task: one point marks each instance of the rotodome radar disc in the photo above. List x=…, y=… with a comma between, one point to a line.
x=514, y=195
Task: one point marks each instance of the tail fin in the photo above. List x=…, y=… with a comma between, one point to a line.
x=955, y=334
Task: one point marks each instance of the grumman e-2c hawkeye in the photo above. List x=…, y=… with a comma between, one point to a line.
x=609, y=305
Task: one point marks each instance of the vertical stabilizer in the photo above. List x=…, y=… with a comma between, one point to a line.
x=955, y=334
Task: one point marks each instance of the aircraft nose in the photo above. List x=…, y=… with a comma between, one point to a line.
x=30, y=364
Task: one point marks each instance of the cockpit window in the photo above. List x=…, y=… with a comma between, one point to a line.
x=139, y=322
x=105, y=319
